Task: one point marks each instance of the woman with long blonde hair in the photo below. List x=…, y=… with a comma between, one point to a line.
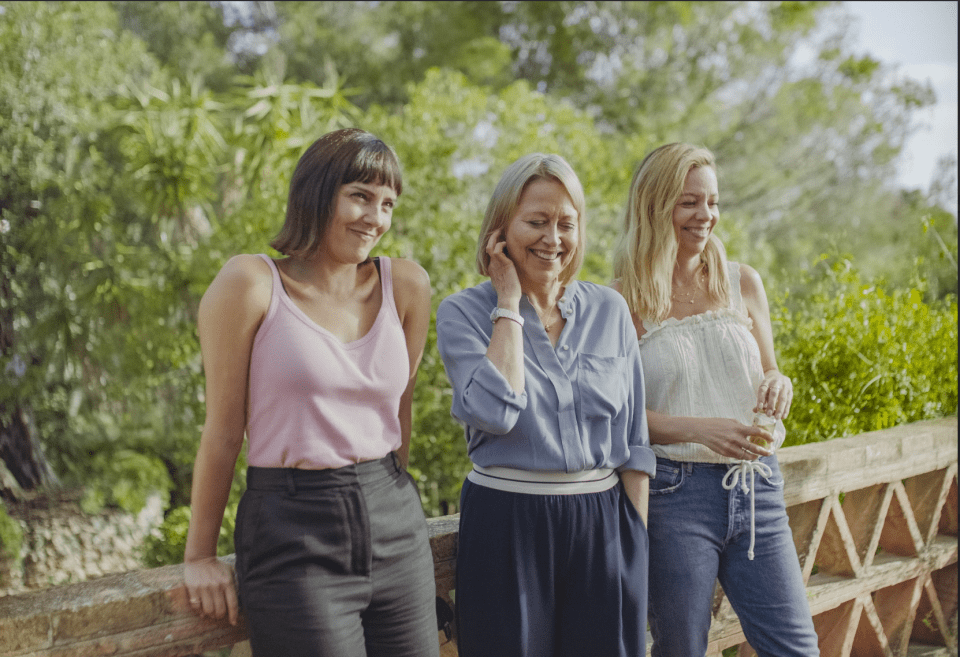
x=715, y=403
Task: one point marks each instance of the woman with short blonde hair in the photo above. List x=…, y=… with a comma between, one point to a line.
x=546, y=381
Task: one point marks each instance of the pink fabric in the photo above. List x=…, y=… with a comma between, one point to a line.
x=316, y=402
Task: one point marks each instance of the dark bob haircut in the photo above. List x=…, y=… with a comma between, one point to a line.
x=338, y=158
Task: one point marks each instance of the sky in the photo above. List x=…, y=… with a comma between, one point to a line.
x=920, y=38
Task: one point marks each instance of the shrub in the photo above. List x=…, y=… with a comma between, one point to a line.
x=11, y=536
x=861, y=357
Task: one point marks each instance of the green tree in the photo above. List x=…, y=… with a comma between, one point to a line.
x=56, y=71
x=127, y=190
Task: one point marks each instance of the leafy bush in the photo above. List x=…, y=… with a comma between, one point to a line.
x=124, y=479
x=165, y=546
x=861, y=357
x=11, y=536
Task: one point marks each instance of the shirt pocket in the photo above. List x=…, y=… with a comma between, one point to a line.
x=601, y=383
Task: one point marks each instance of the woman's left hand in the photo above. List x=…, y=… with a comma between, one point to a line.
x=775, y=394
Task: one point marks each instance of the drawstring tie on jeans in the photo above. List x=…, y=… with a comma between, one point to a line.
x=738, y=474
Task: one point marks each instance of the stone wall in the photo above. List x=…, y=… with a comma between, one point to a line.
x=64, y=545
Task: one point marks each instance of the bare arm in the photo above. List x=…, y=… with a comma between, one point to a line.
x=230, y=314
x=776, y=390
x=637, y=487
x=724, y=436
x=412, y=293
x=506, y=342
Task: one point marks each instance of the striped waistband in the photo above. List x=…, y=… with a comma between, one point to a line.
x=538, y=482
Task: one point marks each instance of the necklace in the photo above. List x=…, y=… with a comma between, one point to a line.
x=547, y=327
x=689, y=297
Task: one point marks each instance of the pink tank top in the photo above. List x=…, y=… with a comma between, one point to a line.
x=316, y=402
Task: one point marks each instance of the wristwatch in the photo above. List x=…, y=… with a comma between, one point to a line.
x=499, y=312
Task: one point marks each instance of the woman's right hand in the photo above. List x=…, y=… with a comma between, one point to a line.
x=733, y=439
x=502, y=270
x=211, y=589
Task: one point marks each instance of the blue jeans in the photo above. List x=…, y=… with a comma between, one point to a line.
x=699, y=533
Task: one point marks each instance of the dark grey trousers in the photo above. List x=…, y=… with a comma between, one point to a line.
x=336, y=563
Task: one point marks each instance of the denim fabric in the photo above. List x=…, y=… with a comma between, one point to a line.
x=699, y=533
x=550, y=575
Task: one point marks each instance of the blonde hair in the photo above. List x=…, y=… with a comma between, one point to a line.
x=646, y=252
x=506, y=197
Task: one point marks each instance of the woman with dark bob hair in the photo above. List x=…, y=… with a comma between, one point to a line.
x=552, y=558
x=314, y=356
x=715, y=402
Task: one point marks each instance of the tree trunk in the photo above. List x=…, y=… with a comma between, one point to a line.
x=21, y=455
x=23, y=465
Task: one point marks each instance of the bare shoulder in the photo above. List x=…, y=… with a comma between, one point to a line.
x=615, y=284
x=751, y=285
x=409, y=278
x=244, y=280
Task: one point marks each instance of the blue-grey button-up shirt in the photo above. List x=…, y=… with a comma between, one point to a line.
x=583, y=403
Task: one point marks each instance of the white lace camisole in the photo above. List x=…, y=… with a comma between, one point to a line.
x=707, y=365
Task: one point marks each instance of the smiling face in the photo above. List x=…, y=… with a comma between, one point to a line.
x=362, y=214
x=543, y=234
x=697, y=211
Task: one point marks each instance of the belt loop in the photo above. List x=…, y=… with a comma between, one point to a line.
x=396, y=461
x=291, y=486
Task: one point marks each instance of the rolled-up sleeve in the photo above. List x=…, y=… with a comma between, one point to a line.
x=641, y=456
x=482, y=397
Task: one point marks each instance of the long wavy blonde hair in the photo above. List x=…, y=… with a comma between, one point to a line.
x=646, y=252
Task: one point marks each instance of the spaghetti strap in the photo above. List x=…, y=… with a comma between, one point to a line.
x=273, y=267
x=736, y=298
x=386, y=286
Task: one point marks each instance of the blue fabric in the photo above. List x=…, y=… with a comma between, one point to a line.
x=699, y=533
x=583, y=403
x=550, y=575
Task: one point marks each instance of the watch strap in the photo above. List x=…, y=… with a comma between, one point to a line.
x=499, y=312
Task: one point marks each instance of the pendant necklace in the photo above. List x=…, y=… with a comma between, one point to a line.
x=546, y=327
x=689, y=297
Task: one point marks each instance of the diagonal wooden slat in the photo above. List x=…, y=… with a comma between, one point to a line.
x=900, y=533
x=948, y=515
x=864, y=510
x=897, y=606
x=838, y=628
x=807, y=521
x=929, y=624
x=837, y=554
x=926, y=493
x=870, y=638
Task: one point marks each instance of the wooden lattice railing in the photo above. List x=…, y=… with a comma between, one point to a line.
x=874, y=519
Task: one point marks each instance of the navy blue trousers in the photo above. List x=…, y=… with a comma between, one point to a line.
x=550, y=575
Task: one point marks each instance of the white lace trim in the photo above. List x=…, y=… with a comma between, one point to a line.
x=702, y=318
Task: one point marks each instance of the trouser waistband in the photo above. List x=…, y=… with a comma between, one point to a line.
x=293, y=479
x=541, y=482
